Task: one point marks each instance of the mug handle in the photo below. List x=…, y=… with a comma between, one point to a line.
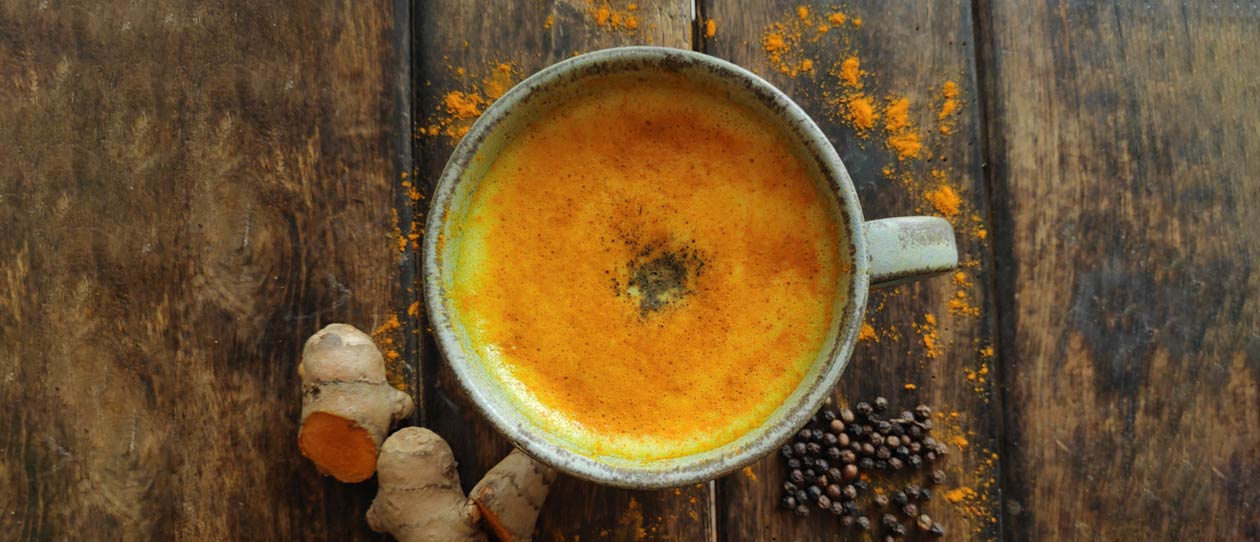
x=908, y=248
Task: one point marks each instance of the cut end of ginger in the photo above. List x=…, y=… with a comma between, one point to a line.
x=339, y=447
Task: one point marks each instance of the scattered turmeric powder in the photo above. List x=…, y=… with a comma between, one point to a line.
x=608, y=18
x=549, y=21
x=945, y=200
x=802, y=12
x=861, y=113
x=710, y=28
x=949, y=106
x=867, y=332
x=458, y=108
x=928, y=335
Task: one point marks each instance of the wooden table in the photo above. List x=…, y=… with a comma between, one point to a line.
x=188, y=191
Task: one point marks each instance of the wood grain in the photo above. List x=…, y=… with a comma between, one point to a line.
x=461, y=47
x=909, y=50
x=187, y=191
x=1125, y=140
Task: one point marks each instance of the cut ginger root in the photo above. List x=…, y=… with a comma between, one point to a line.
x=348, y=405
x=420, y=499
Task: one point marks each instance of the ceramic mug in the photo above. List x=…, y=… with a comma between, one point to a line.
x=883, y=252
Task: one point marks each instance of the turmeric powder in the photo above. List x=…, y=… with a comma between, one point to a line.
x=949, y=106
x=710, y=28
x=861, y=113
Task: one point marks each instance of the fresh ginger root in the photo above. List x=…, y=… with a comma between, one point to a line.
x=420, y=499
x=347, y=404
x=511, y=495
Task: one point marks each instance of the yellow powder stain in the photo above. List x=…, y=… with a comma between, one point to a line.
x=857, y=22
x=986, y=352
x=897, y=115
x=387, y=337
x=957, y=495
x=945, y=200
x=960, y=441
x=807, y=65
x=861, y=113
x=602, y=16
x=907, y=145
x=551, y=19
x=802, y=12
x=867, y=332
x=413, y=309
x=710, y=28
x=982, y=234
x=748, y=472
x=911, y=387
x=851, y=72
x=611, y=19
x=462, y=105
x=949, y=106
x=457, y=109
x=960, y=279
x=836, y=18
x=928, y=334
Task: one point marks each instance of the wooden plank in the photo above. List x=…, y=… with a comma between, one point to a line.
x=186, y=193
x=469, y=52
x=1125, y=143
x=908, y=50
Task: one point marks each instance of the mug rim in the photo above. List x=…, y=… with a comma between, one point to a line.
x=691, y=468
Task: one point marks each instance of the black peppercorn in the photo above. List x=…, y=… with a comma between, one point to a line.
x=788, y=502
x=861, y=485
x=865, y=463
x=881, y=500
x=888, y=520
x=923, y=522
x=876, y=439
x=883, y=426
x=813, y=492
x=802, y=510
x=849, y=507
x=833, y=491
x=821, y=481
x=863, y=409
x=813, y=449
x=864, y=523
x=834, y=474
x=845, y=519
x=899, y=498
x=824, y=502
x=846, y=415
x=897, y=428
x=915, y=431
x=938, y=476
x=901, y=451
x=790, y=487
x=828, y=415
x=854, y=430
x=842, y=440
x=829, y=439
x=849, y=471
x=786, y=451
x=796, y=476
x=925, y=494
x=856, y=446
x=912, y=492
x=816, y=435
x=896, y=463
x=929, y=456
x=794, y=463
x=801, y=496
x=906, y=415
x=849, y=492
x=881, y=464
x=809, y=474
x=799, y=448
x=937, y=530
x=893, y=441
x=804, y=434
x=915, y=447
x=837, y=426
x=833, y=453
x=910, y=510
x=881, y=404
x=922, y=412
x=914, y=461
x=883, y=453
x=837, y=510
x=847, y=456
x=821, y=465
x=898, y=530
x=869, y=449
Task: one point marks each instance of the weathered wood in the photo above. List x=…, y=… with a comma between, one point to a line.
x=186, y=193
x=909, y=50
x=460, y=48
x=1125, y=142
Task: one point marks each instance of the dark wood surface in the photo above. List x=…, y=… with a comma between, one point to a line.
x=1125, y=141
x=187, y=192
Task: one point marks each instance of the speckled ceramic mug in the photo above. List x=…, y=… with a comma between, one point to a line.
x=883, y=252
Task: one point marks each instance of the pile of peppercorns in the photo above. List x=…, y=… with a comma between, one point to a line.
x=825, y=461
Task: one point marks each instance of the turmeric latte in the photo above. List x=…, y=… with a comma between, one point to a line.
x=648, y=270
